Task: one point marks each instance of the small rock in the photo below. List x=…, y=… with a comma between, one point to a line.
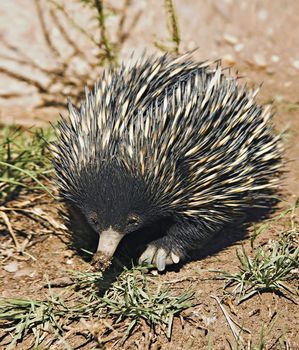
x=229, y=59
x=262, y=15
x=11, y=267
x=25, y=272
x=260, y=60
x=55, y=33
x=191, y=45
x=230, y=39
x=296, y=64
x=68, y=254
x=279, y=98
x=239, y=47
x=275, y=58
x=209, y=320
x=69, y=262
x=79, y=66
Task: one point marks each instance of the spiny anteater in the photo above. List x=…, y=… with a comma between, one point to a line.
x=166, y=138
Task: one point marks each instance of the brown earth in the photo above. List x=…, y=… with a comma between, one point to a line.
x=260, y=39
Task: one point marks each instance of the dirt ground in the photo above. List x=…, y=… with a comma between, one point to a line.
x=260, y=40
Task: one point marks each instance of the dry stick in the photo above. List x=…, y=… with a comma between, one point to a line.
x=120, y=30
x=15, y=49
x=66, y=36
x=173, y=25
x=10, y=229
x=45, y=30
x=41, y=215
x=122, y=35
x=178, y=280
x=20, y=77
x=14, y=95
x=61, y=8
x=27, y=62
x=230, y=322
x=57, y=74
x=49, y=72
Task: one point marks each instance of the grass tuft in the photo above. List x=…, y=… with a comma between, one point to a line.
x=24, y=160
x=272, y=267
x=132, y=297
x=129, y=300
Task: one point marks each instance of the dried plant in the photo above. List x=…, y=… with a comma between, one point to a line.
x=64, y=80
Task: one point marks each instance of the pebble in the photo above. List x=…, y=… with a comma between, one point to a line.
x=209, y=320
x=11, y=267
x=262, y=15
x=229, y=59
x=259, y=60
x=25, y=272
x=191, y=45
x=239, y=47
x=230, y=39
x=275, y=58
x=296, y=64
x=279, y=98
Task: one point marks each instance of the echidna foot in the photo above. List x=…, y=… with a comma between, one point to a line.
x=159, y=257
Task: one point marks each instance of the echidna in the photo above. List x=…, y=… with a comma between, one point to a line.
x=166, y=138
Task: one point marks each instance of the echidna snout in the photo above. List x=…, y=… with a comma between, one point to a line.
x=167, y=139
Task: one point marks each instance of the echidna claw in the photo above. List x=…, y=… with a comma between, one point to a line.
x=148, y=255
x=175, y=258
x=159, y=257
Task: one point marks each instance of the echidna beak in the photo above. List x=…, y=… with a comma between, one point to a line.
x=108, y=242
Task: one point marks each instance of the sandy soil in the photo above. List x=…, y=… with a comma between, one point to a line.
x=257, y=38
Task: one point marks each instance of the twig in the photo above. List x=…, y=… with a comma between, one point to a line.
x=13, y=95
x=10, y=230
x=21, y=77
x=178, y=280
x=121, y=34
x=61, y=8
x=45, y=31
x=15, y=49
x=66, y=36
x=231, y=322
x=27, y=62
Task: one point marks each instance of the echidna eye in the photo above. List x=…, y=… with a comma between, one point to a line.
x=93, y=219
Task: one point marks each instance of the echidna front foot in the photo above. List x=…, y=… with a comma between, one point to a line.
x=160, y=255
x=181, y=238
